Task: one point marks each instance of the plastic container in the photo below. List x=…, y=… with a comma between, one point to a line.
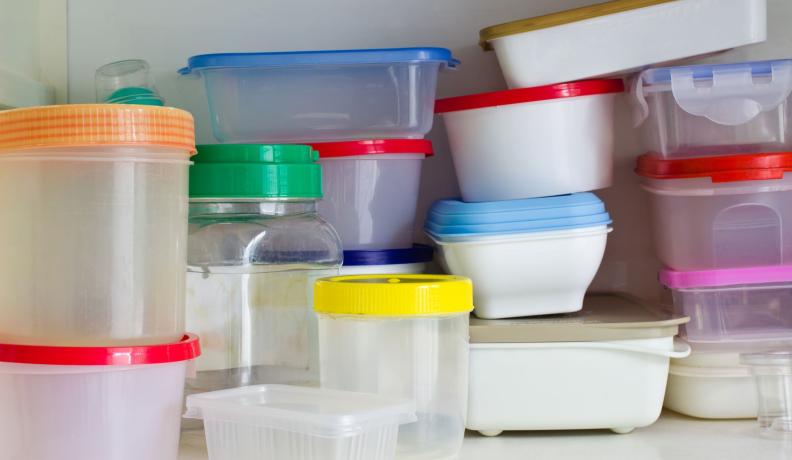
x=533, y=142
x=733, y=305
x=256, y=246
x=371, y=190
x=715, y=109
x=284, y=422
x=94, y=201
x=127, y=82
x=310, y=96
x=603, y=367
x=711, y=386
x=773, y=374
x=402, y=336
x=619, y=37
x=720, y=212
x=93, y=403
x=525, y=257
x=389, y=261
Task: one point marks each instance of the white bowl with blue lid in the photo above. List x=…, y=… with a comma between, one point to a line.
x=716, y=109
x=525, y=257
x=314, y=96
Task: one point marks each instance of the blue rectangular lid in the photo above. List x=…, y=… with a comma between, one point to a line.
x=326, y=57
x=705, y=71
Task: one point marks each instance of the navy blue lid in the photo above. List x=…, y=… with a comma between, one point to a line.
x=327, y=57
x=416, y=254
x=704, y=71
x=457, y=218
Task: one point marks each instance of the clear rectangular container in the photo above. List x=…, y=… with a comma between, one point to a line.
x=309, y=96
x=773, y=375
x=733, y=305
x=286, y=422
x=720, y=109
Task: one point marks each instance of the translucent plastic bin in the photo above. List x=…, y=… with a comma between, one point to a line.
x=92, y=403
x=371, y=190
x=256, y=247
x=773, y=374
x=715, y=109
x=733, y=305
x=294, y=423
x=720, y=212
x=403, y=336
x=388, y=261
x=94, y=199
x=310, y=96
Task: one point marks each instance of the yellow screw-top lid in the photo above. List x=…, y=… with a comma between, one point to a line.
x=394, y=295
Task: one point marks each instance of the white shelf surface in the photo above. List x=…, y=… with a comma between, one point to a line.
x=673, y=437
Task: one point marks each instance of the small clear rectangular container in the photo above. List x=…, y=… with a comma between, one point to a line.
x=703, y=110
x=773, y=374
x=733, y=305
x=309, y=96
x=295, y=423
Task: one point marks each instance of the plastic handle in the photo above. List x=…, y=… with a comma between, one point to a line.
x=733, y=98
x=640, y=108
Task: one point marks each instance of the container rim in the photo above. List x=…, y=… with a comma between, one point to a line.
x=721, y=169
x=725, y=277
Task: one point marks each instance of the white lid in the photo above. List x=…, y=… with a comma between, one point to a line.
x=311, y=411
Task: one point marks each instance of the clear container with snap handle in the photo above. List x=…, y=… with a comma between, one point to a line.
x=402, y=336
x=94, y=243
x=773, y=374
x=256, y=246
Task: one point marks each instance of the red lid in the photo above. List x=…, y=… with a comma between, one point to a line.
x=731, y=168
x=187, y=348
x=372, y=147
x=537, y=93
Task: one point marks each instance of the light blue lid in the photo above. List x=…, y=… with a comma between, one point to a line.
x=705, y=71
x=457, y=218
x=328, y=57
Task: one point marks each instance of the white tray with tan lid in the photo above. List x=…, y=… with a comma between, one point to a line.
x=602, y=367
x=620, y=36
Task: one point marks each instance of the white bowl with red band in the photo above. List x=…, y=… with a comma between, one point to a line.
x=371, y=190
x=532, y=142
x=92, y=403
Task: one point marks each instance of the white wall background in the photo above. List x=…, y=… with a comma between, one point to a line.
x=167, y=32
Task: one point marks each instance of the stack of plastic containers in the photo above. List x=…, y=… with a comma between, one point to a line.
x=93, y=349
x=716, y=173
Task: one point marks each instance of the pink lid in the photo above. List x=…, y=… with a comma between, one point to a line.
x=185, y=349
x=725, y=277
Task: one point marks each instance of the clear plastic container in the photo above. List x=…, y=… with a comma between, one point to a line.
x=283, y=422
x=715, y=109
x=127, y=82
x=733, y=305
x=402, y=336
x=95, y=234
x=255, y=249
x=773, y=374
x=310, y=96
x=720, y=212
x=371, y=190
x=93, y=403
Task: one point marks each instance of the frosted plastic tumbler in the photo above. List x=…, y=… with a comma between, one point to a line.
x=773, y=374
x=402, y=336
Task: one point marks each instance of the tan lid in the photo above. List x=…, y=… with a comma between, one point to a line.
x=603, y=317
x=560, y=18
x=82, y=125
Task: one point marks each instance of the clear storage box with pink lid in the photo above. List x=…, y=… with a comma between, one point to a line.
x=94, y=201
x=734, y=308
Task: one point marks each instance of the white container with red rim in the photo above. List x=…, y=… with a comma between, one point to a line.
x=532, y=142
x=720, y=212
x=93, y=403
x=733, y=308
x=371, y=190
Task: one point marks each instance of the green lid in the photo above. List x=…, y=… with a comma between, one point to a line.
x=256, y=171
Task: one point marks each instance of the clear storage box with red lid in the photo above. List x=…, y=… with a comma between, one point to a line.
x=532, y=142
x=371, y=190
x=91, y=403
x=94, y=200
x=720, y=212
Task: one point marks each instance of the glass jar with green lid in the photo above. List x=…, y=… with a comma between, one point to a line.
x=255, y=247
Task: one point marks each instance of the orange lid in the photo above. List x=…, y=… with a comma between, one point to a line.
x=81, y=125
